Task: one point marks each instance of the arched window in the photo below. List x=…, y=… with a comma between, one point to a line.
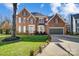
x=31, y=21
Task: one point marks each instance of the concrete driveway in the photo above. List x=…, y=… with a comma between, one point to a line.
x=62, y=45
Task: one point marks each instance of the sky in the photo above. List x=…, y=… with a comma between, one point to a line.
x=48, y=9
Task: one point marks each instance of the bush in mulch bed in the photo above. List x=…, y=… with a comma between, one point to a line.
x=47, y=41
x=31, y=53
x=11, y=39
x=40, y=49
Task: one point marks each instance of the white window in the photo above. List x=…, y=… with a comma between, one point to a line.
x=19, y=29
x=24, y=29
x=19, y=19
x=31, y=20
x=41, y=28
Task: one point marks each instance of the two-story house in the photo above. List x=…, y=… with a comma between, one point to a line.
x=33, y=22
x=30, y=23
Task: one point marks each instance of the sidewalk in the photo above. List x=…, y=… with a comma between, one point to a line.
x=68, y=48
x=73, y=47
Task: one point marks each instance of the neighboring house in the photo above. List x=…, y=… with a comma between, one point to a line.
x=5, y=27
x=31, y=23
x=56, y=25
x=75, y=23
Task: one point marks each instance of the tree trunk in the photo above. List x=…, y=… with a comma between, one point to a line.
x=14, y=20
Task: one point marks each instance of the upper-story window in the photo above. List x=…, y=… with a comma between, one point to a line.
x=24, y=14
x=31, y=20
x=41, y=20
x=19, y=19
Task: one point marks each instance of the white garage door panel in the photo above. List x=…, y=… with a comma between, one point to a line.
x=56, y=31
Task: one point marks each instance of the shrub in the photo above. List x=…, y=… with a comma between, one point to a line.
x=49, y=38
x=47, y=41
x=40, y=49
x=8, y=31
x=31, y=53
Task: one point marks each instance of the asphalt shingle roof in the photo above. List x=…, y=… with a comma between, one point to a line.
x=37, y=14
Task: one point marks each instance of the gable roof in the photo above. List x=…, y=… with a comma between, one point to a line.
x=58, y=16
x=28, y=12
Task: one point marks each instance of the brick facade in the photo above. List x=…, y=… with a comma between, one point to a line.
x=37, y=23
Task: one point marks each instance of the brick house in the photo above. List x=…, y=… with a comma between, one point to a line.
x=31, y=23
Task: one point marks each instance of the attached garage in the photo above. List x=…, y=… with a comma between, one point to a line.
x=56, y=30
x=56, y=25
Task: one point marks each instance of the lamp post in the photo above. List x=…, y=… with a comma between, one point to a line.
x=14, y=20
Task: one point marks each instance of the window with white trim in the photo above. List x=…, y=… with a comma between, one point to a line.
x=31, y=20
x=24, y=29
x=19, y=29
x=19, y=19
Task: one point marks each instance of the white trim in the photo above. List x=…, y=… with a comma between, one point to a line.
x=74, y=26
x=54, y=16
x=56, y=28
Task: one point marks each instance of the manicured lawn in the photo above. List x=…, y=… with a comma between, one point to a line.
x=23, y=47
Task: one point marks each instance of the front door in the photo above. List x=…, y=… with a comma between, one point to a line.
x=31, y=29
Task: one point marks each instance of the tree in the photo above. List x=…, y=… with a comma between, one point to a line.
x=14, y=20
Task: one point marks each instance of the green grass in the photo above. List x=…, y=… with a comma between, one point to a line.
x=23, y=47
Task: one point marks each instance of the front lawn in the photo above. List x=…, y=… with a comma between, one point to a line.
x=23, y=47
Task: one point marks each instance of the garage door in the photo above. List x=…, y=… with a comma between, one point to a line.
x=56, y=31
